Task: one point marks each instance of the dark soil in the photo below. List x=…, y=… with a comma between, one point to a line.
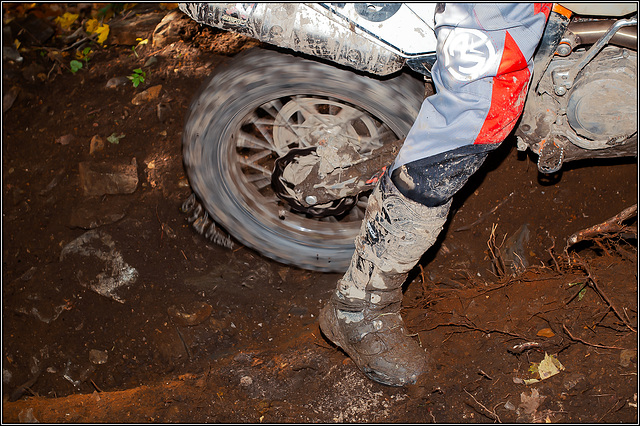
x=250, y=349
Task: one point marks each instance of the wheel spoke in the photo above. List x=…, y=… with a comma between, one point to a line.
x=295, y=122
x=254, y=166
x=246, y=140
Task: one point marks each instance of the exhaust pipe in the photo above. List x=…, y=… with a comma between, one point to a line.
x=589, y=32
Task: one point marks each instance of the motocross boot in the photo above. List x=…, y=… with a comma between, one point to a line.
x=363, y=314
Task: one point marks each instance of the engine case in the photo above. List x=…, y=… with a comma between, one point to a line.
x=595, y=117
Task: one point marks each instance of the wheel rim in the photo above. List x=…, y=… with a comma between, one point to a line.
x=270, y=131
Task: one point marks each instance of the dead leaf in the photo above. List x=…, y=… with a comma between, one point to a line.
x=549, y=366
x=530, y=404
x=546, y=332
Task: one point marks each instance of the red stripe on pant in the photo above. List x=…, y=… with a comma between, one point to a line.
x=507, y=96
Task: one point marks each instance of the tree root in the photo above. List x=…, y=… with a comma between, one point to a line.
x=612, y=227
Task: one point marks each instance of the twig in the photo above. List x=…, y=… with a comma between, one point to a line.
x=610, y=226
x=422, y=273
x=95, y=386
x=577, y=339
x=604, y=296
x=474, y=328
x=609, y=410
x=494, y=251
x=492, y=415
x=550, y=250
x=19, y=391
x=79, y=42
x=482, y=373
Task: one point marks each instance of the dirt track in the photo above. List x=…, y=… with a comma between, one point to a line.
x=251, y=351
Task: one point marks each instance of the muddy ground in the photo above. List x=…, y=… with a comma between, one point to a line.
x=201, y=333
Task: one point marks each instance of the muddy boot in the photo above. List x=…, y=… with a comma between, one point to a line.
x=363, y=315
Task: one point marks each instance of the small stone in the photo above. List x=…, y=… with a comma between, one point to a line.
x=97, y=144
x=148, y=95
x=192, y=314
x=151, y=61
x=98, y=357
x=11, y=53
x=65, y=140
x=117, y=82
x=9, y=98
x=246, y=381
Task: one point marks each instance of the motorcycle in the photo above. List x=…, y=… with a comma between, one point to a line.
x=283, y=143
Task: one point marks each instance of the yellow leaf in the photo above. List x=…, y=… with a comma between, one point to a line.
x=92, y=25
x=16, y=43
x=103, y=32
x=66, y=20
x=95, y=27
x=546, y=332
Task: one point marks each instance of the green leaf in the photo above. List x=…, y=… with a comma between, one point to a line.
x=137, y=77
x=115, y=139
x=581, y=293
x=75, y=65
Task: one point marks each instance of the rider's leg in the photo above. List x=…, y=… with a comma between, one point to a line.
x=480, y=94
x=363, y=315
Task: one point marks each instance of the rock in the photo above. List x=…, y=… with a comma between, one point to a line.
x=98, y=179
x=92, y=213
x=192, y=314
x=98, y=357
x=10, y=53
x=148, y=95
x=126, y=32
x=97, y=144
x=65, y=140
x=116, y=82
x=9, y=98
x=151, y=61
x=246, y=381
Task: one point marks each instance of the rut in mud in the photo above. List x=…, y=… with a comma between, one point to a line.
x=115, y=310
